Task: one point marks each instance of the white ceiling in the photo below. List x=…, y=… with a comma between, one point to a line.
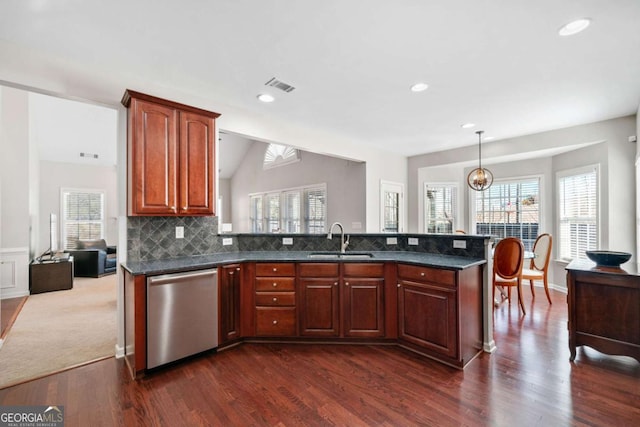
x=497, y=63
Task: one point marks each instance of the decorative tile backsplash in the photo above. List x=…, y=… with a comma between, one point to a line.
x=152, y=238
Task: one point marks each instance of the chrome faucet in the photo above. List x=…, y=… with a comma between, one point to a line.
x=343, y=242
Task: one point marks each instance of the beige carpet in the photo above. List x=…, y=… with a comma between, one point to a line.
x=61, y=329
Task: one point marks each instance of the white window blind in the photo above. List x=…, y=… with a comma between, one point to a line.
x=440, y=208
x=255, y=213
x=82, y=216
x=578, y=213
x=296, y=210
x=510, y=209
x=315, y=199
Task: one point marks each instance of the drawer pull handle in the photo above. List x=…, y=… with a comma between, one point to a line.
x=275, y=269
x=275, y=299
x=275, y=322
x=275, y=284
x=422, y=274
x=237, y=268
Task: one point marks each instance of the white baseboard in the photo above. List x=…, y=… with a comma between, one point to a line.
x=14, y=272
x=119, y=352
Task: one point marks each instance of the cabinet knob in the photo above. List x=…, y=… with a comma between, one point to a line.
x=173, y=208
x=398, y=284
x=275, y=269
x=184, y=208
x=275, y=284
x=237, y=268
x=275, y=299
x=335, y=283
x=346, y=283
x=275, y=322
x=422, y=274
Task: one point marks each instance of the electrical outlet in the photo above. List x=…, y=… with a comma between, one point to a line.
x=179, y=232
x=287, y=240
x=460, y=244
x=227, y=241
x=413, y=241
x=392, y=240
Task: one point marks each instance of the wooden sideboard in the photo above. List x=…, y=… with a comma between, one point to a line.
x=604, y=308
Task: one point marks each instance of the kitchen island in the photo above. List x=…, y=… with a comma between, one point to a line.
x=428, y=303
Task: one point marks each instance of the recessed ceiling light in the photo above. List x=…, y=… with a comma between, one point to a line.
x=467, y=125
x=265, y=97
x=574, y=27
x=419, y=87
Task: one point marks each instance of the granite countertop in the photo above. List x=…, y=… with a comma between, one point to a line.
x=174, y=265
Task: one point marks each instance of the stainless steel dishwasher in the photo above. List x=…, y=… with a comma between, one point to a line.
x=182, y=315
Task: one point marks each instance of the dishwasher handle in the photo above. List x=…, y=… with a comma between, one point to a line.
x=175, y=277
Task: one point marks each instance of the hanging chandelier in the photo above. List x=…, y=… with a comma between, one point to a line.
x=480, y=178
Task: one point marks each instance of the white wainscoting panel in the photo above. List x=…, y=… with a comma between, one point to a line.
x=14, y=272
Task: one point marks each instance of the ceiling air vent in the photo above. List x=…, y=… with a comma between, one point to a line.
x=279, y=85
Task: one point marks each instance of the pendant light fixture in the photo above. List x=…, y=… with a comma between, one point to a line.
x=480, y=178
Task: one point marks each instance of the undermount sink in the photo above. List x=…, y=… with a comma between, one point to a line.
x=337, y=255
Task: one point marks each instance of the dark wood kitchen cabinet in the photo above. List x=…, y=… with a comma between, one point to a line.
x=341, y=300
x=440, y=312
x=229, y=285
x=275, y=299
x=170, y=156
x=363, y=297
x=318, y=293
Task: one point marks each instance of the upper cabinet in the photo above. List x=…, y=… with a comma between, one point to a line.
x=170, y=157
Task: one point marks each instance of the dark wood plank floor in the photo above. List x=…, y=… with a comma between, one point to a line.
x=9, y=309
x=527, y=381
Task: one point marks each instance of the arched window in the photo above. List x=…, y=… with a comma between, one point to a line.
x=279, y=155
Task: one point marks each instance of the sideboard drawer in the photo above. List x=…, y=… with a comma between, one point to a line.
x=266, y=284
x=276, y=321
x=276, y=298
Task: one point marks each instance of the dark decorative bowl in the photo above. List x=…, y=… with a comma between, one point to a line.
x=608, y=258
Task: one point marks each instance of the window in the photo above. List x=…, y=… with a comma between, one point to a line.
x=510, y=209
x=440, y=208
x=296, y=210
x=391, y=199
x=577, y=212
x=279, y=155
x=82, y=216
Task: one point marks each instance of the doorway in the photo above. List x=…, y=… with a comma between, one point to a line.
x=391, y=207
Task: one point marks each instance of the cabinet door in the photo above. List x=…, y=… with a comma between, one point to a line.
x=197, y=164
x=154, y=159
x=319, y=307
x=363, y=307
x=229, y=290
x=427, y=317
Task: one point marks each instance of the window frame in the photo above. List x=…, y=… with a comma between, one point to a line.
x=455, y=201
x=511, y=180
x=63, y=219
x=575, y=172
x=302, y=215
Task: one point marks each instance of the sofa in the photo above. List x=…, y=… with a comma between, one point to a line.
x=93, y=258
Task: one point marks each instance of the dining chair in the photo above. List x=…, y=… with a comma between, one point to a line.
x=538, y=269
x=508, y=260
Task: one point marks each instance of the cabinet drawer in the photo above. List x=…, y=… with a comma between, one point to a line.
x=275, y=283
x=318, y=269
x=272, y=321
x=276, y=298
x=275, y=269
x=433, y=275
x=363, y=269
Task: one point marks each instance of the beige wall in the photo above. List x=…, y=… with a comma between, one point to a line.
x=345, y=181
x=605, y=143
x=56, y=175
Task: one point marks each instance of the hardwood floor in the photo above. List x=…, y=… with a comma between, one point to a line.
x=9, y=310
x=527, y=381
